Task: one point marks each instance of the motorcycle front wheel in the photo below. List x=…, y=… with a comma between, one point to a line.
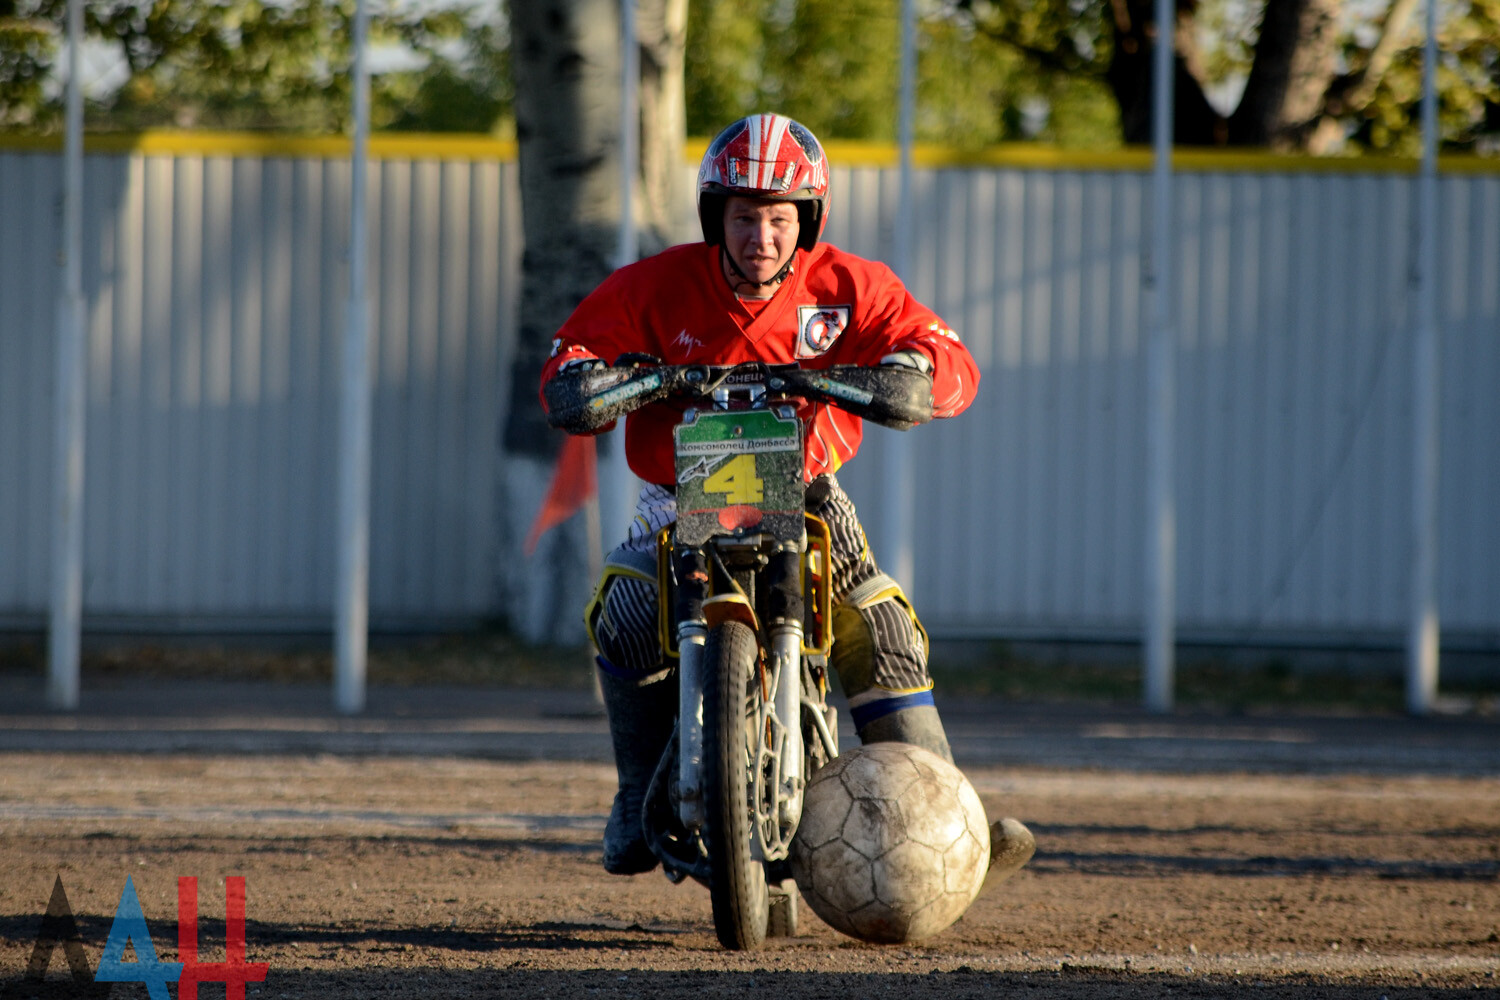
x=731, y=701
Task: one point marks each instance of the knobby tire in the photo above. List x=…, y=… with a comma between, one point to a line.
x=731, y=694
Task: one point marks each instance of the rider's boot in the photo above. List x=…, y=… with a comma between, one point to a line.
x=877, y=644
x=918, y=725
x=640, y=726
x=883, y=715
x=1011, y=844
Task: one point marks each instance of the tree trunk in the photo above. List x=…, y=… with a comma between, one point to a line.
x=1296, y=60
x=666, y=211
x=566, y=55
x=1195, y=122
x=567, y=66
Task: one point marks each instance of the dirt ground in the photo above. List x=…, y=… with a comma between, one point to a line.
x=450, y=877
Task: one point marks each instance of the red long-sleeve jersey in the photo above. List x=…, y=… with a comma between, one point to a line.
x=834, y=309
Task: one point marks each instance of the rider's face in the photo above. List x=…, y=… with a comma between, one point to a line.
x=760, y=235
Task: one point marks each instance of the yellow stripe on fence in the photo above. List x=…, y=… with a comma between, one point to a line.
x=386, y=145
x=844, y=153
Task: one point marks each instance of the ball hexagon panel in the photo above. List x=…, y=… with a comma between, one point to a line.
x=841, y=877
x=874, y=826
x=880, y=924
x=965, y=864
x=909, y=876
x=879, y=771
x=933, y=814
x=825, y=806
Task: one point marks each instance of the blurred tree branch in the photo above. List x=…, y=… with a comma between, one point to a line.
x=258, y=64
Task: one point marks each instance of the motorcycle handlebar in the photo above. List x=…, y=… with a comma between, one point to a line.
x=586, y=398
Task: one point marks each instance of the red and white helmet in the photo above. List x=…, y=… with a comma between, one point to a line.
x=765, y=156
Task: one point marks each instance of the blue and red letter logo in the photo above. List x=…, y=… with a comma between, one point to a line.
x=59, y=929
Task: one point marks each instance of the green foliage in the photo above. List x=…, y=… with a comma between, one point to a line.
x=1226, y=34
x=1005, y=70
x=25, y=54
x=467, y=88
x=242, y=65
x=724, y=59
x=838, y=67
x=990, y=71
x=1468, y=82
x=976, y=90
x=261, y=64
x=834, y=66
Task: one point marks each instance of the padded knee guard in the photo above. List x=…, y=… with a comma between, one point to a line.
x=622, y=617
x=880, y=653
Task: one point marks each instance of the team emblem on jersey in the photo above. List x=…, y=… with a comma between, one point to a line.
x=818, y=327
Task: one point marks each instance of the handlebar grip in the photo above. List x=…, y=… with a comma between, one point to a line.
x=893, y=396
x=585, y=401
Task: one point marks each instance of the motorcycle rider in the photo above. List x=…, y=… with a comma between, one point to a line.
x=762, y=286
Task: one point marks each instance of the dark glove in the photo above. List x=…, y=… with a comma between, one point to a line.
x=587, y=396
x=910, y=358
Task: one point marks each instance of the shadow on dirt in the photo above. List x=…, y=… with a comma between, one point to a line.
x=490, y=848
x=1157, y=865
x=1068, y=983
x=551, y=935
x=1471, y=832
x=529, y=976
x=22, y=930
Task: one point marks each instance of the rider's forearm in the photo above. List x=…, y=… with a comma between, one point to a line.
x=588, y=397
x=955, y=376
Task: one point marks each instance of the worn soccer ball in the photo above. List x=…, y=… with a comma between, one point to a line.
x=893, y=844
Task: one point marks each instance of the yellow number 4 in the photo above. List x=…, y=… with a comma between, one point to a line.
x=736, y=479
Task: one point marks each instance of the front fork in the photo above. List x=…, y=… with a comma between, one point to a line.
x=781, y=736
x=786, y=654
x=692, y=636
x=784, y=613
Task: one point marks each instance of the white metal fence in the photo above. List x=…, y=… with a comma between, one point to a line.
x=1293, y=441
x=215, y=286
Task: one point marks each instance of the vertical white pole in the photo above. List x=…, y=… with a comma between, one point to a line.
x=1422, y=638
x=66, y=622
x=616, y=481
x=900, y=499
x=630, y=132
x=1161, y=529
x=352, y=629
